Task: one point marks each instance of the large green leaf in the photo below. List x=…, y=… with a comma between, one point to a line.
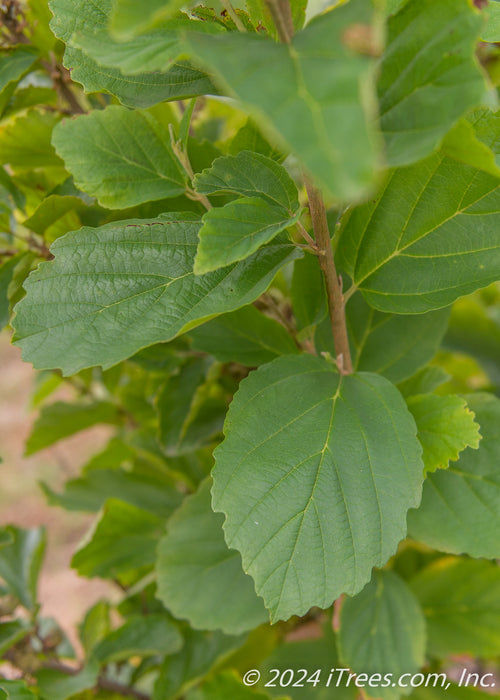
x=302, y=444
x=460, y=509
x=128, y=285
x=245, y=336
x=60, y=420
x=237, y=230
x=445, y=426
x=129, y=18
x=146, y=635
x=432, y=235
x=316, y=101
x=120, y=156
x=20, y=562
x=461, y=603
x=123, y=540
x=382, y=630
x=429, y=75
x=199, y=578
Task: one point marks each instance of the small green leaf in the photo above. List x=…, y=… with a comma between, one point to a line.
x=245, y=336
x=249, y=174
x=199, y=578
x=20, y=562
x=25, y=141
x=60, y=420
x=461, y=602
x=289, y=481
x=139, y=636
x=382, y=630
x=425, y=381
x=123, y=540
x=128, y=174
x=445, y=426
x=460, y=509
x=309, y=301
x=95, y=626
x=13, y=65
x=132, y=287
x=237, y=230
x=433, y=233
x=317, y=101
x=429, y=75
x=7, y=270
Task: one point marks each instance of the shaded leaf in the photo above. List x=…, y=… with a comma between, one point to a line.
x=382, y=630
x=12, y=632
x=226, y=684
x=199, y=578
x=123, y=540
x=129, y=18
x=461, y=602
x=60, y=420
x=124, y=286
x=460, y=509
x=139, y=636
x=246, y=336
x=16, y=690
x=289, y=481
x=56, y=685
x=25, y=141
x=308, y=293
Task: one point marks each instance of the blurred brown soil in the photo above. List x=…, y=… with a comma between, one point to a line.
x=63, y=594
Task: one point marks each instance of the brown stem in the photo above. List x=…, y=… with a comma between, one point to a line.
x=333, y=282
x=61, y=80
x=282, y=18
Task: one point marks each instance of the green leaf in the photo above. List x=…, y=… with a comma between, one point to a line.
x=11, y=633
x=308, y=293
x=425, y=381
x=460, y=509
x=15, y=690
x=123, y=540
x=105, y=152
x=95, y=626
x=392, y=345
x=14, y=64
x=491, y=31
x=245, y=336
x=445, y=426
x=382, y=630
x=289, y=481
x=429, y=75
x=249, y=175
x=83, y=24
x=249, y=138
x=152, y=492
x=56, y=685
x=144, y=636
x=484, y=343
x=317, y=101
x=431, y=236
x=226, y=684
x=199, y=578
x=132, y=287
x=20, y=562
x=461, y=602
x=52, y=211
x=309, y=655
x=7, y=270
x=60, y=420
x=237, y=230
x=200, y=653
x=180, y=81
x=129, y=19
x=25, y=141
